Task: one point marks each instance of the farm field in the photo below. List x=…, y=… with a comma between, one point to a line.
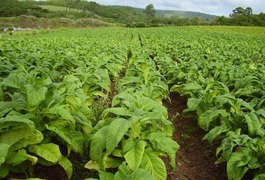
x=117, y=103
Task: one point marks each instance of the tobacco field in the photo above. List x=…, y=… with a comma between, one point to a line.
x=91, y=100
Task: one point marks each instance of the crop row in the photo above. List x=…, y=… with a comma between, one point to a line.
x=65, y=94
x=222, y=75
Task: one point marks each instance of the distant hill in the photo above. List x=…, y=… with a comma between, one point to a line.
x=169, y=13
x=183, y=14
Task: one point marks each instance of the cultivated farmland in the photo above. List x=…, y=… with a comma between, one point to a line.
x=94, y=100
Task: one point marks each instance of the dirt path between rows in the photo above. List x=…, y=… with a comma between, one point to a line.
x=195, y=158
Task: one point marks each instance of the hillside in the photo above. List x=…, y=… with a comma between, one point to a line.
x=169, y=13
x=184, y=14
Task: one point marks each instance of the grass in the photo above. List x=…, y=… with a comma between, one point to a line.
x=56, y=8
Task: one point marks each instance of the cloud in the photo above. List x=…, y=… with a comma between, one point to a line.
x=216, y=7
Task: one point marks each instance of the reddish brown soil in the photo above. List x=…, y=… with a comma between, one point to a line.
x=195, y=158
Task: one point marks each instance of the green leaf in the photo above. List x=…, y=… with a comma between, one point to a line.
x=16, y=120
x=5, y=107
x=67, y=166
x=35, y=97
x=237, y=165
x=193, y=103
x=15, y=80
x=133, y=152
x=116, y=131
x=63, y=111
x=206, y=118
x=215, y=132
x=92, y=165
x=140, y=174
x=259, y=177
x=49, y=152
x=254, y=125
x=125, y=172
x=191, y=87
x=164, y=144
x=98, y=144
x=4, y=150
x=4, y=171
x=58, y=127
x=154, y=165
x=17, y=158
x=103, y=175
x=120, y=111
x=12, y=136
x=109, y=162
x=34, y=138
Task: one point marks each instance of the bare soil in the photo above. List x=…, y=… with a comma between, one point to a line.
x=195, y=158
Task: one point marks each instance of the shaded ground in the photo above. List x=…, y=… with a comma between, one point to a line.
x=195, y=158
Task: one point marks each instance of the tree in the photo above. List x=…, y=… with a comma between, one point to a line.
x=150, y=11
x=242, y=11
x=249, y=11
x=238, y=11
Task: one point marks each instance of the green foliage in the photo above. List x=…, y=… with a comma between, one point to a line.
x=98, y=93
x=9, y=8
x=150, y=11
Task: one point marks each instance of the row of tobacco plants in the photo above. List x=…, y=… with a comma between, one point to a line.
x=222, y=76
x=95, y=94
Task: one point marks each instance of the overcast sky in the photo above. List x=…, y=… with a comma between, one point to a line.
x=216, y=7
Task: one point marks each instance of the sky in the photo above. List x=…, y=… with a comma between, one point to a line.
x=215, y=7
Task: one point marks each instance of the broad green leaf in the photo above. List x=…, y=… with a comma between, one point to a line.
x=15, y=120
x=116, y=130
x=5, y=107
x=192, y=86
x=133, y=152
x=14, y=135
x=4, y=171
x=74, y=101
x=193, y=103
x=215, y=132
x=17, y=158
x=49, y=152
x=259, y=177
x=206, y=118
x=254, y=125
x=125, y=172
x=92, y=165
x=34, y=138
x=164, y=144
x=103, y=175
x=67, y=166
x=247, y=105
x=58, y=127
x=98, y=144
x=152, y=163
x=4, y=150
x=237, y=165
x=109, y=162
x=35, y=96
x=63, y=111
x=120, y=111
x=140, y=174
x=77, y=141
x=15, y=80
